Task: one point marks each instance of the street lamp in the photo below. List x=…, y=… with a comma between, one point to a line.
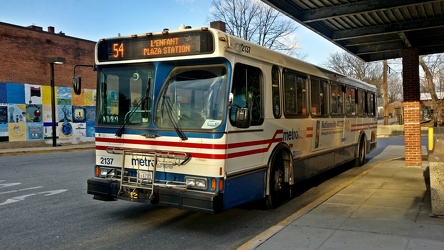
x=52, y=61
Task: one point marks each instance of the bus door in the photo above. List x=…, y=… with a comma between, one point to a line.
x=245, y=140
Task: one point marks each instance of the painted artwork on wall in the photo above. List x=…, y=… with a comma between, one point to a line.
x=26, y=114
x=65, y=130
x=15, y=93
x=17, y=131
x=34, y=113
x=4, y=134
x=35, y=131
x=90, y=114
x=90, y=130
x=16, y=113
x=78, y=114
x=46, y=95
x=33, y=94
x=64, y=96
x=3, y=113
x=90, y=97
x=64, y=113
x=3, y=97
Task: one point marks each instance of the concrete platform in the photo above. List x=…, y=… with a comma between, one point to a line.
x=386, y=207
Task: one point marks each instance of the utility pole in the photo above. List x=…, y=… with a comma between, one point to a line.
x=385, y=88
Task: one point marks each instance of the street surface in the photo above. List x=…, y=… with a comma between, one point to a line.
x=44, y=205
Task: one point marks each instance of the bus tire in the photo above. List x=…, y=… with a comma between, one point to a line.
x=279, y=190
x=360, y=160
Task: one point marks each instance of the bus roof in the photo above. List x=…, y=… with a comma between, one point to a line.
x=226, y=43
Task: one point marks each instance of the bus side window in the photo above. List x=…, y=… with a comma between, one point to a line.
x=318, y=95
x=350, y=101
x=295, y=97
x=370, y=104
x=275, y=89
x=336, y=100
x=361, y=102
x=315, y=97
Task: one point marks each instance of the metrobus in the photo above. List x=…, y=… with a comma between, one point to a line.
x=201, y=120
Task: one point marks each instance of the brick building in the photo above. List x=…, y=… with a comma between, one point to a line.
x=25, y=92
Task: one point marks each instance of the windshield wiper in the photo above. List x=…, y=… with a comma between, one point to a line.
x=129, y=115
x=169, y=108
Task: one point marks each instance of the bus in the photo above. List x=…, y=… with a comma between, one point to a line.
x=201, y=120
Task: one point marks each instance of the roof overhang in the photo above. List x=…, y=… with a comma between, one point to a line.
x=372, y=29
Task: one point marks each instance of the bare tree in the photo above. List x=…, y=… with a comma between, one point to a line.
x=257, y=22
x=433, y=66
x=395, y=88
x=349, y=65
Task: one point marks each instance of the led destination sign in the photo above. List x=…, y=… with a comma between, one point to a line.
x=190, y=43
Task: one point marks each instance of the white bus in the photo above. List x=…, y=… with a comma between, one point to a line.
x=201, y=120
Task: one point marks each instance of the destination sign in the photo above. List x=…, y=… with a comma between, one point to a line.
x=153, y=46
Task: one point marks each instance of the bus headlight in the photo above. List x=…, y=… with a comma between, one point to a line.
x=194, y=182
x=107, y=172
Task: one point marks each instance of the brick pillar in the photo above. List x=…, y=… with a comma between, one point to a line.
x=412, y=119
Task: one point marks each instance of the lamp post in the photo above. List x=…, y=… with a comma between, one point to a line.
x=52, y=61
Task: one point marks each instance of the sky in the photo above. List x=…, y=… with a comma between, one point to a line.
x=96, y=19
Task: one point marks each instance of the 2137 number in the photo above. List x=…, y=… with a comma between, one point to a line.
x=106, y=161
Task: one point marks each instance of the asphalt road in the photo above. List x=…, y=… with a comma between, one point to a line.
x=44, y=205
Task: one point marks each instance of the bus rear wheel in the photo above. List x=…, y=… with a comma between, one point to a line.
x=361, y=153
x=279, y=189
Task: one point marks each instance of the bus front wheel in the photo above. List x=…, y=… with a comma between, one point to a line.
x=279, y=190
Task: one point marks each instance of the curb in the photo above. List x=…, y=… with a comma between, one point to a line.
x=22, y=151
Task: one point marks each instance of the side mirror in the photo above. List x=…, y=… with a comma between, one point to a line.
x=242, y=118
x=77, y=85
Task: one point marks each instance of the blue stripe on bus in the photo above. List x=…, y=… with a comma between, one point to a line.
x=244, y=188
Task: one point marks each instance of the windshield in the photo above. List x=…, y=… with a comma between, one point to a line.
x=124, y=95
x=193, y=98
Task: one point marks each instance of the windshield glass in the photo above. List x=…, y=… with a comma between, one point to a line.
x=193, y=98
x=124, y=95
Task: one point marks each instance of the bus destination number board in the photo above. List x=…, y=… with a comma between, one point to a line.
x=180, y=44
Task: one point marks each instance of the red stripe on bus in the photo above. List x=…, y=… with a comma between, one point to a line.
x=203, y=146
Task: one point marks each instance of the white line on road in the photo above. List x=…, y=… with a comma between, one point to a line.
x=23, y=197
x=19, y=190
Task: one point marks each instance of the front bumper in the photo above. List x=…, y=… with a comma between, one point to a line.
x=108, y=190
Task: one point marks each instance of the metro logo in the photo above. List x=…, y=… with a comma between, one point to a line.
x=290, y=135
x=142, y=162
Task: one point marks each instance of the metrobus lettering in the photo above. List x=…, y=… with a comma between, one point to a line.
x=326, y=124
x=290, y=135
x=143, y=162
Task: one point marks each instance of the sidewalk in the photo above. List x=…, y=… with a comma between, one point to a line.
x=385, y=207
x=42, y=148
